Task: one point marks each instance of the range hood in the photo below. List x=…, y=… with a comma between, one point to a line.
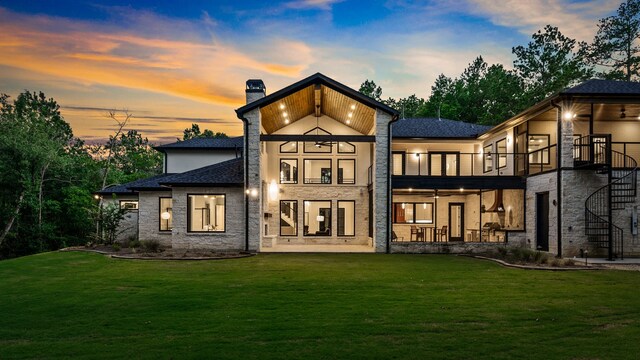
x=498, y=205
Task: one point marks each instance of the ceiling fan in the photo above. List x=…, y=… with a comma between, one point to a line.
x=317, y=130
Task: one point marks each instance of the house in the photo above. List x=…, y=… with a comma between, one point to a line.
x=322, y=167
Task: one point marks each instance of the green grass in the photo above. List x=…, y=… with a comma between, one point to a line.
x=313, y=306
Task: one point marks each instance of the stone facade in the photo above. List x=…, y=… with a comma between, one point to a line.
x=542, y=183
x=232, y=239
x=382, y=220
x=253, y=176
x=149, y=217
x=128, y=228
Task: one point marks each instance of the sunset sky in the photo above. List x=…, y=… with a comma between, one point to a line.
x=172, y=64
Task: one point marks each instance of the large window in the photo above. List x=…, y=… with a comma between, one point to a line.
x=346, y=171
x=289, y=147
x=346, y=148
x=317, y=146
x=413, y=213
x=166, y=214
x=346, y=218
x=445, y=164
x=288, y=218
x=288, y=171
x=501, y=149
x=206, y=213
x=398, y=163
x=317, y=171
x=487, y=158
x=317, y=218
x=538, y=149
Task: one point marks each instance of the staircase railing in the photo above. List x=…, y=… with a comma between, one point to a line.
x=620, y=189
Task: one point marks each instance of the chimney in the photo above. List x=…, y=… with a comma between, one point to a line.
x=255, y=90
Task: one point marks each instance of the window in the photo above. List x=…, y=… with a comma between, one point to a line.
x=206, y=213
x=413, y=213
x=289, y=147
x=166, y=214
x=398, y=163
x=317, y=218
x=346, y=218
x=288, y=218
x=317, y=146
x=317, y=171
x=538, y=148
x=346, y=148
x=501, y=149
x=487, y=159
x=346, y=171
x=444, y=164
x=288, y=171
x=129, y=204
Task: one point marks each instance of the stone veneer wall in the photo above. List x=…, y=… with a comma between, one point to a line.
x=253, y=178
x=382, y=215
x=149, y=217
x=128, y=227
x=332, y=193
x=231, y=240
x=539, y=184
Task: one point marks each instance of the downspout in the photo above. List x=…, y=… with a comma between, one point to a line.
x=388, y=217
x=246, y=181
x=559, y=178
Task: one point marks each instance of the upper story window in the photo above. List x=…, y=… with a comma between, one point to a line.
x=501, y=150
x=288, y=171
x=397, y=162
x=487, y=158
x=317, y=171
x=317, y=146
x=444, y=164
x=289, y=147
x=346, y=171
x=538, y=148
x=345, y=147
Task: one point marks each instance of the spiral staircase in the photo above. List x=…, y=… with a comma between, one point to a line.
x=595, y=152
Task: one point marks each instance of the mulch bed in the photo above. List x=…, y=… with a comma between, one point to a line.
x=165, y=254
x=534, y=266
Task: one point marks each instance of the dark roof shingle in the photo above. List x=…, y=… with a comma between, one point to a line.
x=205, y=143
x=150, y=183
x=436, y=128
x=226, y=173
x=604, y=87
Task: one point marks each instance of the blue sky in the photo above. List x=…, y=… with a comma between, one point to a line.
x=171, y=63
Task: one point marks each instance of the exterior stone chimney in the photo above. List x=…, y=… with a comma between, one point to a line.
x=255, y=90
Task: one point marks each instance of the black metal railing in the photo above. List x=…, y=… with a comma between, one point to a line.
x=621, y=188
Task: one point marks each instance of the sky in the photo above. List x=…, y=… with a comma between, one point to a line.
x=174, y=63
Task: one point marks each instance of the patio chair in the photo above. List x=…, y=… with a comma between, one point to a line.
x=440, y=233
x=395, y=237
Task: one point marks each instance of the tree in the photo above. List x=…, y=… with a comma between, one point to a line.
x=194, y=132
x=134, y=157
x=616, y=46
x=411, y=106
x=550, y=63
x=369, y=88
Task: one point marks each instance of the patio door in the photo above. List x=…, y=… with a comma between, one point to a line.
x=456, y=221
x=542, y=221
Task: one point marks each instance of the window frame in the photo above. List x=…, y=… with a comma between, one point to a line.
x=160, y=214
x=354, y=172
x=189, y=231
x=403, y=154
x=338, y=218
x=501, y=155
x=280, y=169
x=330, y=222
x=296, y=219
x=443, y=162
x=414, y=206
x=486, y=161
x=137, y=202
x=304, y=178
x=289, y=152
x=346, y=152
x=542, y=153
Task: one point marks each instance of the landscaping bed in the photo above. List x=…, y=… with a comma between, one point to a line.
x=146, y=253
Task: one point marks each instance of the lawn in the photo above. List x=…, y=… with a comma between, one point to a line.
x=307, y=306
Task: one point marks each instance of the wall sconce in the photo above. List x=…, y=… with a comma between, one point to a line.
x=253, y=192
x=273, y=190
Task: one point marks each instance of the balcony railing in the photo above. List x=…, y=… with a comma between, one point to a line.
x=478, y=164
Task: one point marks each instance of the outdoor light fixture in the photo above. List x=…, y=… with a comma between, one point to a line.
x=165, y=215
x=348, y=122
x=281, y=106
x=353, y=106
x=273, y=190
x=568, y=115
x=350, y=114
x=97, y=197
x=254, y=192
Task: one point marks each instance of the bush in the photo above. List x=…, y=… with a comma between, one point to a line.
x=556, y=262
x=116, y=246
x=151, y=245
x=502, y=252
x=134, y=243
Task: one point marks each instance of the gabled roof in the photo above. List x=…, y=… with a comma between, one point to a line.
x=204, y=143
x=315, y=79
x=436, y=128
x=604, y=87
x=226, y=173
x=150, y=183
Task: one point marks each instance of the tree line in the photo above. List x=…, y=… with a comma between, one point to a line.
x=550, y=62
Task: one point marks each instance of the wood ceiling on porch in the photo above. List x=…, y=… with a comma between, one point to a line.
x=329, y=102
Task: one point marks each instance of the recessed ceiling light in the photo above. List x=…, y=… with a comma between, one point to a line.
x=353, y=106
x=285, y=114
x=348, y=122
x=281, y=106
x=350, y=114
x=286, y=121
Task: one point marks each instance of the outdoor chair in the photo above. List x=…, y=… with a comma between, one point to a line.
x=440, y=233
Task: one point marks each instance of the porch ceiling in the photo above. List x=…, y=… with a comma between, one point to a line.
x=325, y=101
x=601, y=112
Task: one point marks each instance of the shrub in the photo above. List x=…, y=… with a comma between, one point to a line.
x=502, y=251
x=134, y=243
x=151, y=245
x=116, y=246
x=555, y=262
x=569, y=262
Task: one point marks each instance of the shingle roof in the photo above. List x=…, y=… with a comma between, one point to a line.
x=150, y=183
x=436, y=128
x=226, y=173
x=604, y=87
x=205, y=143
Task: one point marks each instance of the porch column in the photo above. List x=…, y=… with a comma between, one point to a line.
x=252, y=156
